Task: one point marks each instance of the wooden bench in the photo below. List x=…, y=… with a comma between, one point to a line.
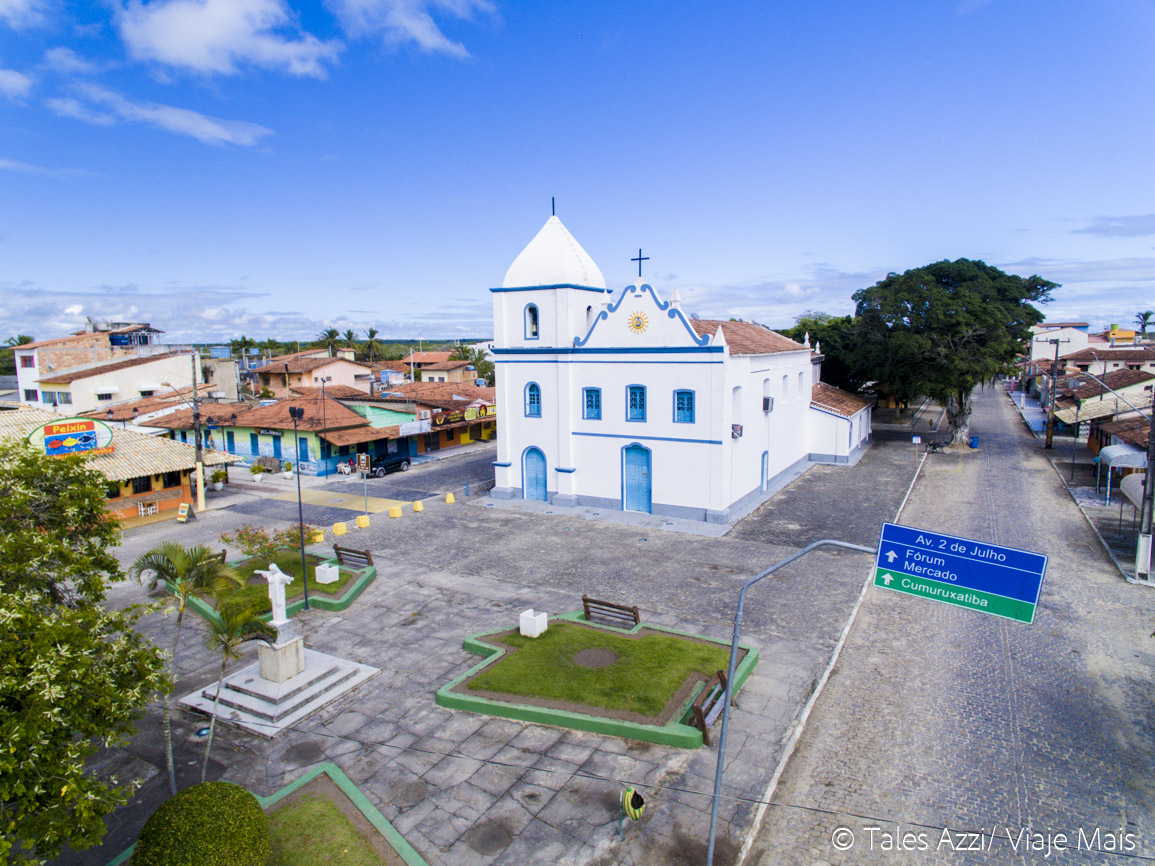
x=223, y=556
x=708, y=705
x=610, y=613
x=352, y=558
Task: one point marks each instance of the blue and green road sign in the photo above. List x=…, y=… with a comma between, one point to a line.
x=1002, y=581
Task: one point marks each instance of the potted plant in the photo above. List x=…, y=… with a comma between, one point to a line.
x=257, y=471
x=288, y=470
x=219, y=477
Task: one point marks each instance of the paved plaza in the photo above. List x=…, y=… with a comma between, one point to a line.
x=978, y=720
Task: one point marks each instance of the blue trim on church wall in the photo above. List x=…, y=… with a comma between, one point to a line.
x=648, y=438
x=552, y=286
x=672, y=312
x=609, y=350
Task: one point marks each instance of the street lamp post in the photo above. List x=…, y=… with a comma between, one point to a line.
x=196, y=408
x=297, y=413
x=324, y=424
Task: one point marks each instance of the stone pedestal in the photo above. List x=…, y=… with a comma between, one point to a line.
x=281, y=661
x=328, y=574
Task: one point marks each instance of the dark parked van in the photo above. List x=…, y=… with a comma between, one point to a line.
x=388, y=463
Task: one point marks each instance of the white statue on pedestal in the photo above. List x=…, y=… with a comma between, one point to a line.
x=286, y=658
x=277, y=581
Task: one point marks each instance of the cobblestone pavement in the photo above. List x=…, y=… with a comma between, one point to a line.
x=936, y=717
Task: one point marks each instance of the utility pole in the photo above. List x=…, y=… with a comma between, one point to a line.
x=1143, y=553
x=1054, y=381
x=200, y=465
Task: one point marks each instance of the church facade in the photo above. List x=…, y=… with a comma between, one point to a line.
x=628, y=403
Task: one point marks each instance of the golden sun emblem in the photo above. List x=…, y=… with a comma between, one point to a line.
x=638, y=322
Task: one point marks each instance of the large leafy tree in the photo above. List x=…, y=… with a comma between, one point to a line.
x=945, y=328
x=73, y=675
x=55, y=529
x=187, y=572
x=835, y=338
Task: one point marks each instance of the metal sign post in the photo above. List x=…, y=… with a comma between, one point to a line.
x=363, y=468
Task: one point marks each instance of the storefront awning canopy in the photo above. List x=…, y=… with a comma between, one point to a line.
x=1123, y=457
x=1132, y=487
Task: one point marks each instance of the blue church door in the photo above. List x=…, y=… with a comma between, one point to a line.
x=534, y=475
x=636, y=479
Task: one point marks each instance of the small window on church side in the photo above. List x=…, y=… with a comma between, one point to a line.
x=801, y=386
x=636, y=403
x=531, y=322
x=684, y=407
x=532, y=400
x=592, y=404
x=589, y=317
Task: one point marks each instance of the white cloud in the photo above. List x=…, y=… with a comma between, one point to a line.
x=29, y=168
x=19, y=14
x=218, y=36
x=67, y=62
x=79, y=111
x=14, y=84
x=210, y=130
x=402, y=21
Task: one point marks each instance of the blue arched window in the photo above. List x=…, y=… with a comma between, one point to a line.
x=531, y=323
x=532, y=400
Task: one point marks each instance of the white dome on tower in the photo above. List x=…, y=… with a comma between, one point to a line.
x=553, y=258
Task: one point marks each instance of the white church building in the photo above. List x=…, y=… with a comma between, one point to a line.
x=629, y=403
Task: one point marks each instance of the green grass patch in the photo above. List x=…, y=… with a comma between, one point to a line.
x=648, y=672
x=312, y=831
x=256, y=593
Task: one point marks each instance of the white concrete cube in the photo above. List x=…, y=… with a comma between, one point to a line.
x=534, y=624
x=328, y=573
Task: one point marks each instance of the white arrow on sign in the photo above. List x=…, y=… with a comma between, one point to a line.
x=891, y=556
x=886, y=578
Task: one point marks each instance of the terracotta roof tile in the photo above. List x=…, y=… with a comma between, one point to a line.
x=746, y=338
x=100, y=369
x=836, y=400
x=340, y=392
x=427, y=357
x=1126, y=353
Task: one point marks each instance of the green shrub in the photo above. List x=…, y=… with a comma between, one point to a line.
x=214, y=824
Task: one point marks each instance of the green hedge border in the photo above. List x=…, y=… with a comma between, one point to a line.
x=675, y=733
x=395, y=840
x=354, y=589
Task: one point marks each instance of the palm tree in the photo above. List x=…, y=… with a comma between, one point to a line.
x=372, y=345
x=329, y=339
x=21, y=340
x=461, y=352
x=242, y=344
x=1143, y=320
x=186, y=572
x=235, y=625
x=350, y=338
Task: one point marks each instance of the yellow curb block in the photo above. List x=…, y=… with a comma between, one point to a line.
x=340, y=529
x=362, y=521
x=449, y=500
x=395, y=511
x=418, y=505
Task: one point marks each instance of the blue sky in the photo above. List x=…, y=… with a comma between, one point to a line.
x=275, y=167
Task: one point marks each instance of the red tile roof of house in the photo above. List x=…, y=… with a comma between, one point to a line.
x=447, y=365
x=747, y=338
x=427, y=357
x=340, y=392
x=1116, y=353
x=68, y=376
x=441, y=394
x=1115, y=379
x=836, y=400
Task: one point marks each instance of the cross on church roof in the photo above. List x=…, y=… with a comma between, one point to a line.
x=639, y=260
